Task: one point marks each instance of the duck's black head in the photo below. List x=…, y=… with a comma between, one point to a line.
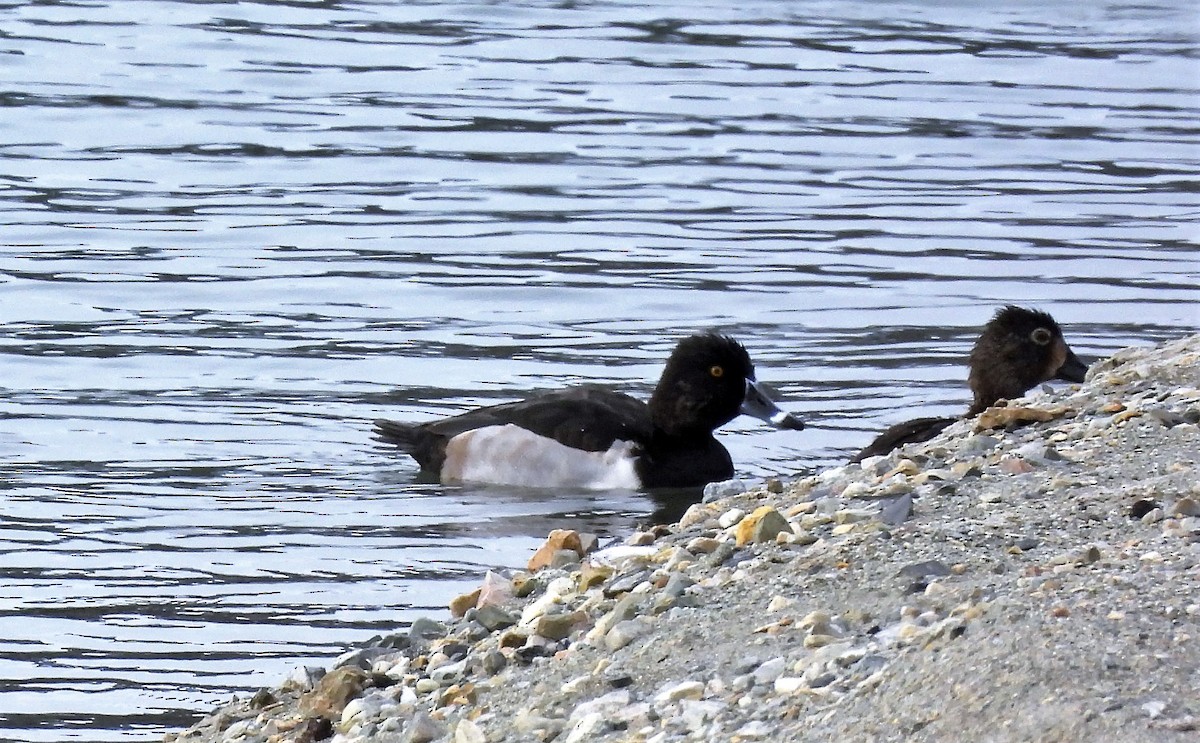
x=1018, y=349
x=708, y=381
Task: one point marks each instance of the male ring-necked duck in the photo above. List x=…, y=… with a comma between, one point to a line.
x=1018, y=349
x=592, y=437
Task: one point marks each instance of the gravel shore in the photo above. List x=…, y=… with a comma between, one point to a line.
x=1031, y=574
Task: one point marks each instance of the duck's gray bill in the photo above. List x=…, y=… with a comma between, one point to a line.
x=758, y=405
x=1073, y=369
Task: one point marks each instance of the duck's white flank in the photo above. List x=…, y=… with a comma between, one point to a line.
x=511, y=455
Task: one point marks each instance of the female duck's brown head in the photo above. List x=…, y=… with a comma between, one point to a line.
x=1019, y=349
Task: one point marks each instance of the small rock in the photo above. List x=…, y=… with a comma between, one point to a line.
x=897, y=510
x=761, y=526
x=789, y=684
x=717, y=490
x=359, y=707
x=683, y=690
x=559, y=626
x=755, y=730
x=564, y=559
x=468, y=732
x=493, y=662
x=1013, y=416
x=424, y=629
x=263, y=698
x=495, y=589
x=303, y=678
x=623, y=633
x=697, y=513
x=730, y=517
x=926, y=569
x=422, y=728
x=333, y=693
x=1142, y=507
x=696, y=713
x=703, y=545
x=767, y=672
x=626, y=583
x=559, y=539
x=591, y=575
x=493, y=618
x=461, y=603
x=587, y=727
x=780, y=603
x=852, y=515
x=1186, y=507
x=1015, y=466
x=640, y=539
x=448, y=673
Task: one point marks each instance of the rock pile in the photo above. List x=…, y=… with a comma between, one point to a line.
x=1030, y=574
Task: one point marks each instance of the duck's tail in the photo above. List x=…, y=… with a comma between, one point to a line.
x=403, y=435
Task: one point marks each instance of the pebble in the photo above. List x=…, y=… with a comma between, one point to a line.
x=715, y=491
x=730, y=517
x=467, y=731
x=770, y=670
x=682, y=690
x=559, y=626
x=761, y=526
x=492, y=617
x=333, y=692
x=623, y=633
x=422, y=728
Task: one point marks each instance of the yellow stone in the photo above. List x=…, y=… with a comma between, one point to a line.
x=761, y=526
x=460, y=604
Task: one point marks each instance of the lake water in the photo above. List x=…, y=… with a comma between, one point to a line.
x=234, y=233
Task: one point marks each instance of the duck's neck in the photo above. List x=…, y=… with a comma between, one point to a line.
x=989, y=391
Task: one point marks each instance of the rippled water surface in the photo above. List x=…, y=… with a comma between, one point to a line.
x=234, y=233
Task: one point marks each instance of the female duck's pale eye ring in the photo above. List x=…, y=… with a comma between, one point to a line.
x=716, y=371
x=1040, y=336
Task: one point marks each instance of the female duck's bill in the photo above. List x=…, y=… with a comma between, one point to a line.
x=593, y=437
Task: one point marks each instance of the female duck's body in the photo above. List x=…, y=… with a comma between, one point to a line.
x=1018, y=349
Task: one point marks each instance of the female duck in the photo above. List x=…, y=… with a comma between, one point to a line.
x=1018, y=349
x=593, y=437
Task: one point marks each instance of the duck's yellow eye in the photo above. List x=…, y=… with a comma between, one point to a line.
x=1040, y=336
x=717, y=371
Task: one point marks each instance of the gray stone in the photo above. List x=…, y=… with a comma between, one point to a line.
x=717, y=490
x=587, y=728
x=449, y=673
x=624, y=633
x=896, y=510
x=493, y=662
x=926, y=569
x=361, y=658
x=625, y=583
x=493, y=618
x=423, y=729
x=304, y=678
x=767, y=672
x=720, y=555
x=559, y=626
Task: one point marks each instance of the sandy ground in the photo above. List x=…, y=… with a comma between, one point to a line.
x=1028, y=577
